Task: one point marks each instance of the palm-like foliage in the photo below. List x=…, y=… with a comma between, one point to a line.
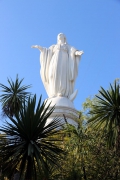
x=13, y=96
x=107, y=113
x=30, y=145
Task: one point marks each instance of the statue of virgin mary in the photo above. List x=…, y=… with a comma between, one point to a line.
x=59, y=68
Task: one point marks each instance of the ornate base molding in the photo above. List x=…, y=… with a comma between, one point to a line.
x=64, y=108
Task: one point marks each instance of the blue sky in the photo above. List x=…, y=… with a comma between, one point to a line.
x=89, y=25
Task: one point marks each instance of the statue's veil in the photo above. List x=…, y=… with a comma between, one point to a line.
x=65, y=40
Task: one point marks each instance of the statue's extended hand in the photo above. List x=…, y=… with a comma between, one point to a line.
x=79, y=53
x=38, y=47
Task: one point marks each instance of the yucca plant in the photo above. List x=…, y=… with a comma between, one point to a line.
x=13, y=96
x=107, y=114
x=30, y=144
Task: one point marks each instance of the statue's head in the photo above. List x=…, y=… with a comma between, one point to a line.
x=61, y=36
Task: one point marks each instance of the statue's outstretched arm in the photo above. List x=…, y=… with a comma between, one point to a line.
x=79, y=53
x=38, y=47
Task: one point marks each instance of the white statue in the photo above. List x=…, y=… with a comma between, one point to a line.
x=59, y=68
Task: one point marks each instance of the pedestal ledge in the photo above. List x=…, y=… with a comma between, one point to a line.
x=63, y=107
x=60, y=101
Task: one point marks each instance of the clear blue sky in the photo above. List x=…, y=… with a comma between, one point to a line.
x=89, y=25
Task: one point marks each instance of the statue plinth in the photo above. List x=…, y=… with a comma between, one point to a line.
x=64, y=109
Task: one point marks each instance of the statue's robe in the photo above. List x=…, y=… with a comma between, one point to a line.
x=59, y=69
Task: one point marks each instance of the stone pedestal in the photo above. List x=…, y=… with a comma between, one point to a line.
x=63, y=108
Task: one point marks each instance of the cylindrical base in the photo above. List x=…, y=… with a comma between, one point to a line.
x=64, y=109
